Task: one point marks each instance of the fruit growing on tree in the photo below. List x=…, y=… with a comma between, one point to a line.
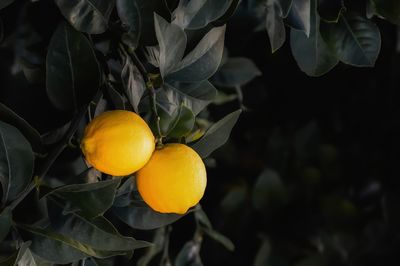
x=118, y=143
x=173, y=180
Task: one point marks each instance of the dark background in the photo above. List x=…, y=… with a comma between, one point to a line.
x=333, y=141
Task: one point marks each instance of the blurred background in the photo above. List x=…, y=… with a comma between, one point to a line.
x=310, y=174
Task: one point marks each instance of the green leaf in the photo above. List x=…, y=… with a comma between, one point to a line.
x=177, y=125
x=202, y=218
x=59, y=248
x=71, y=237
x=140, y=216
x=195, y=96
x=189, y=255
x=275, y=26
x=72, y=71
x=90, y=16
x=330, y=10
x=198, y=14
x=133, y=82
x=172, y=41
x=237, y=71
x=312, y=54
x=5, y=223
x=356, y=40
x=31, y=134
x=27, y=258
x=5, y=3
x=147, y=9
x=228, y=14
x=157, y=247
x=269, y=191
x=16, y=162
x=203, y=61
x=314, y=260
x=263, y=253
x=88, y=200
x=216, y=135
x=300, y=15
x=223, y=240
x=129, y=13
x=388, y=9
x=234, y=199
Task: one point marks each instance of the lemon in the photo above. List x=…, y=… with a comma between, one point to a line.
x=118, y=143
x=173, y=180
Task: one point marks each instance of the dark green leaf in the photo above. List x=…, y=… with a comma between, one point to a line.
x=312, y=54
x=195, y=96
x=234, y=199
x=275, y=26
x=223, y=240
x=59, y=248
x=90, y=16
x=16, y=162
x=133, y=83
x=140, y=216
x=330, y=10
x=172, y=41
x=71, y=237
x=72, y=71
x=356, y=40
x=5, y=223
x=89, y=200
x=10, y=260
x=117, y=100
x=299, y=16
x=5, y=3
x=269, y=191
x=315, y=260
x=129, y=13
x=237, y=71
x=202, y=218
x=9, y=117
x=197, y=14
x=216, y=135
x=189, y=255
x=157, y=247
x=147, y=9
x=26, y=258
x=228, y=14
x=388, y=9
x=263, y=253
x=203, y=61
x=177, y=125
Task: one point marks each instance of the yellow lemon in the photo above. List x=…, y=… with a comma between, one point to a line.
x=173, y=180
x=118, y=143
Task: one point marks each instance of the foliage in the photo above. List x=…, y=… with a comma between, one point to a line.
x=165, y=60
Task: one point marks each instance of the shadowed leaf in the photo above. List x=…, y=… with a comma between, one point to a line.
x=89, y=16
x=216, y=135
x=72, y=71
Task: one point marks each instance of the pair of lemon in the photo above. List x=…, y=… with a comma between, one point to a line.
x=170, y=179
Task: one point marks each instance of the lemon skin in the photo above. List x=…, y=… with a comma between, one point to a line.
x=174, y=179
x=118, y=142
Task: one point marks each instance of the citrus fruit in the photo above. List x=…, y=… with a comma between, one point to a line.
x=173, y=180
x=118, y=142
